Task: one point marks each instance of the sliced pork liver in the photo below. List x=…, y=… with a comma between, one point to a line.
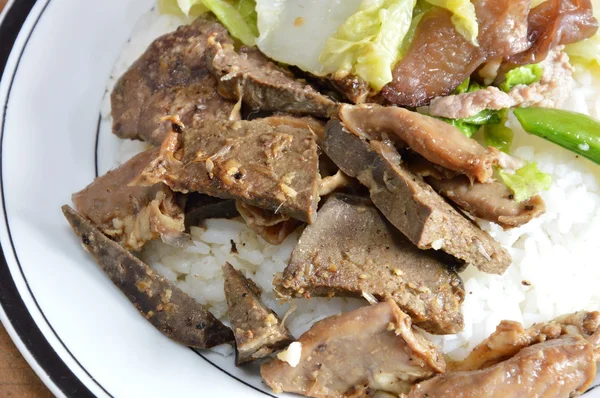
x=264, y=163
x=261, y=84
x=409, y=203
x=351, y=250
x=170, y=310
x=258, y=331
x=132, y=215
x=170, y=78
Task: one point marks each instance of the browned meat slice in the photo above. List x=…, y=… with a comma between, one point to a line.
x=132, y=215
x=440, y=59
x=317, y=126
x=201, y=207
x=363, y=254
x=269, y=165
x=271, y=226
x=170, y=78
x=510, y=337
x=371, y=348
x=258, y=331
x=409, y=203
x=355, y=89
x=198, y=101
x=435, y=140
x=553, y=369
x=261, y=84
x=491, y=201
x=169, y=309
x=552, y=23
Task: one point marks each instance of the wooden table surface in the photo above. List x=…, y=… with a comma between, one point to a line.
x=17, y=379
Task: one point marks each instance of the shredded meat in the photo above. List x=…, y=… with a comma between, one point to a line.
x=550, y=92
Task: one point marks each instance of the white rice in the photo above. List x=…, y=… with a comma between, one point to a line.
x=555, y=269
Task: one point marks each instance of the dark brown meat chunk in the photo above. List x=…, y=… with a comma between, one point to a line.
x=201, y=207
x=435, y=140
x=362, y=253
x=166, y=307
x=553, y=369
x=372, y=348
x=132, y=215
x=271, y=226
x=170, y=78
x=261, y=84
x=510, y=337
x=491, y=201
x=440, y=59
x=554, y=23
x=269, y=165
x=409, y=203
x=353, y=88
x=258, y=331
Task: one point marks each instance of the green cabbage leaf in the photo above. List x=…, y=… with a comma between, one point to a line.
x=369, y=43
x=238, y=16
x=527, y=74
x=463, y=17
x=587, y=52
x=526, y=182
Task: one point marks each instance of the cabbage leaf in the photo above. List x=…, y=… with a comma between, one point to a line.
x=498, y=135
x=294, y=32
x=471, y=125
x=526, y=182
x=463, y=17
x=527, y=74
x=369, y=42
x=587, y=51
x=238, y=16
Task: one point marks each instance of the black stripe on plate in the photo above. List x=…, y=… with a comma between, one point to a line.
x=10, y=299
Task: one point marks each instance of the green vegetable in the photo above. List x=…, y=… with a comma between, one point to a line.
x=526, y=182
x=498, y=135
x=527, y=74
x=368, y=44
x=471, y=125
x=188, y=8
x=486, y=116
x=467, y=87
x=410, y=35
x=467, y=129
x=574, y=131
x=233, y=20
x=463, y=17
x=587, y=51
x=238, y=16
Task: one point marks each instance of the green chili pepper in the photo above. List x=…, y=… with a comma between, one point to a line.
x=577, y=132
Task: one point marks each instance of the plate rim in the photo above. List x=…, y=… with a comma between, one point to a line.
x=14, y=314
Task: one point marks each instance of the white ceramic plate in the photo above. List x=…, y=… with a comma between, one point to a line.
x=71, y=323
